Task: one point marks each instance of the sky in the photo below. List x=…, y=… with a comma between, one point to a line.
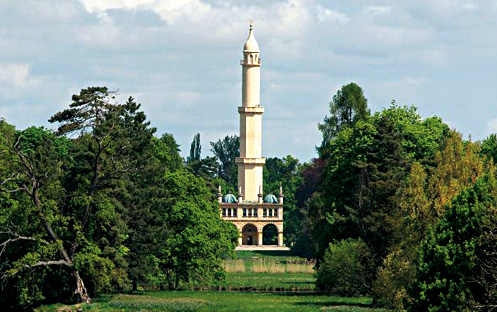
x=181, y=60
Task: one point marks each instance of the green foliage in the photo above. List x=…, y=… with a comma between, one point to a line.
x=489, y=147
x=347, y=107
x=347, y=268
x=453, y=268
x=109, y=206
x=359, y=187
x=196, y=238
x=206, y=168
x=397, y=271
x=458, y=165
x=285, y=172
x=226, y=150
x=96, y=270
x=166, y=151
x=367, y=163
x=195, y=149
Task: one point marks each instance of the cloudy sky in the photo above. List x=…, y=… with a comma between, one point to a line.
x=180, y=59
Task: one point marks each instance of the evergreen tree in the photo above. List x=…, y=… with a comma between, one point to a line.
x=195, y=149
x=456, y=270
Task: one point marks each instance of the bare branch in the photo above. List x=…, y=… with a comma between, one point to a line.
x=14, y=177
x=19, y=238
x=39, y=264
x=15, y=190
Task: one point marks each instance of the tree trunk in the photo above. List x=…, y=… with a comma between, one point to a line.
x=80, y=291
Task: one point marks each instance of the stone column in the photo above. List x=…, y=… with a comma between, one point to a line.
x=280, y=239
x=259, y=238
x=240, y=242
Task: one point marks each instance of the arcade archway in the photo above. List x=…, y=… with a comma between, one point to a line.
x=249, y=235
x=270, y=235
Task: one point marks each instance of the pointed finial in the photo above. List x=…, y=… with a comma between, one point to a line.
x=251, y=21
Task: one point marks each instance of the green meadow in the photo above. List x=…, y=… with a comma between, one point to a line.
x=255, y=281
x=189, y=301
x=269, y=271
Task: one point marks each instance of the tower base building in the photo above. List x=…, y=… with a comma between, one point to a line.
x=258, y=218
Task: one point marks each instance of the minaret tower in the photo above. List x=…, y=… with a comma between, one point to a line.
x=250, y=162
x=251, y=212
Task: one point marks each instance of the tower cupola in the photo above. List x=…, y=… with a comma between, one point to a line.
x=251, y=45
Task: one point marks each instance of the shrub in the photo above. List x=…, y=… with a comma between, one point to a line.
x=397, y=271
x=346, y=269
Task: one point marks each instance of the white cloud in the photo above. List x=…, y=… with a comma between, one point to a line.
x=492, y=126
x=13, y=75
x=470, y=6
x=327, y=15
x=99, y=6
x=173, y=11
x=373, y=10
x=16, y=80
x=180, y=59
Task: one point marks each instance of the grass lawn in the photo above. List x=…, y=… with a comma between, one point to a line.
x=270, y=281
x=222, y=301
x=269, y=271
x=251, y=271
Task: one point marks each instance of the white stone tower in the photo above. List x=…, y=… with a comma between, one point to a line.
x=250, y=162
x=258, y=219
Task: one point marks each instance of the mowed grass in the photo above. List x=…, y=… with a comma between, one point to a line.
x=270, y=281
x=222, y=301
x=269, y=271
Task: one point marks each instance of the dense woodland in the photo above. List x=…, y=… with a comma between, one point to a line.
x=394, y=206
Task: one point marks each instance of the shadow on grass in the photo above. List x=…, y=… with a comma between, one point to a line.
x=341, y=301
x=269, y=253
x=335, y=303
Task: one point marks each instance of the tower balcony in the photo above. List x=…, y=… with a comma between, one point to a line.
x=244, y=63
x=250, y=161
x=251, y=211
x=251, y=109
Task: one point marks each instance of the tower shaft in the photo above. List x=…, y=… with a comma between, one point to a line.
x=250, y=162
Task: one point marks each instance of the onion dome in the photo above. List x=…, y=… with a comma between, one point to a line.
x=229, y=198
x=251, y=44
x=270, y=199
